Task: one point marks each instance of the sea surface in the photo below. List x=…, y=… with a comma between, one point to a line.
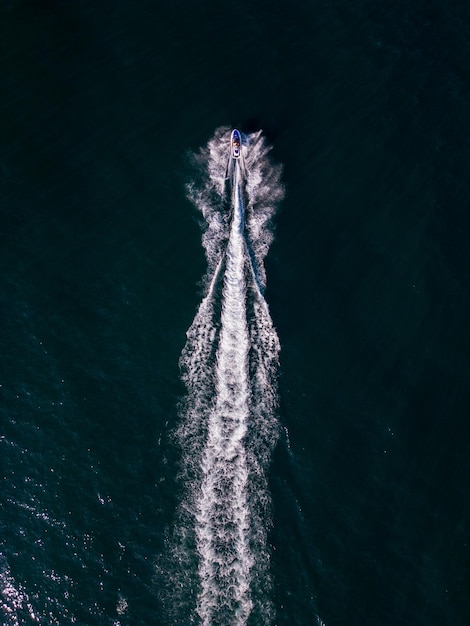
x=235, y=397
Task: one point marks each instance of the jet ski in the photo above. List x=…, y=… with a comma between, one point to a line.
x=235, y=143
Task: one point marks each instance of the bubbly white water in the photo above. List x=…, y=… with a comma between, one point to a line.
x=222, y=513
x=229, y=365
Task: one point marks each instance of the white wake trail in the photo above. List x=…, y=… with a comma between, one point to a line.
x=222, y=515
x=228, y=418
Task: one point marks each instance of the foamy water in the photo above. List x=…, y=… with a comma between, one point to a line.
x=228, y=421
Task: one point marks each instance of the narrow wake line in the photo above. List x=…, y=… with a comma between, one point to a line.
x=228, y=418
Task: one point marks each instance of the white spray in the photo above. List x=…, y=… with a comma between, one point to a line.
x=229, y=424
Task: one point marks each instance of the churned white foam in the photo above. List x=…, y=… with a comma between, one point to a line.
x=228, y=418
x=222, y=513
x=264, y=192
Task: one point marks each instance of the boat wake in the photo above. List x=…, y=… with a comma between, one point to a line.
x=228, y=419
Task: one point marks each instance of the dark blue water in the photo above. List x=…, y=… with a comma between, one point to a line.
x=102, y=271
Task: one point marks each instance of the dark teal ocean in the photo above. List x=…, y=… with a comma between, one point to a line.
x=365, y=509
